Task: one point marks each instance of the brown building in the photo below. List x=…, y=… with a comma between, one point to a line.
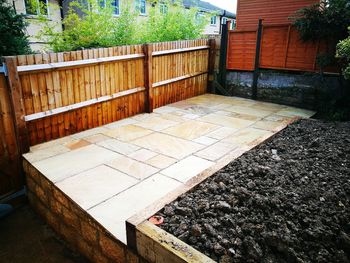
x=273, y=12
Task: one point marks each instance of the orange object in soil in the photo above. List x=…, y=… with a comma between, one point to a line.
x=156, y=220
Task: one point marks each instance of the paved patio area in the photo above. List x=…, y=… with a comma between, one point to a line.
x=116, y=170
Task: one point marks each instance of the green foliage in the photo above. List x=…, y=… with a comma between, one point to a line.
x=13, y=40
x=343, y=52
x=172, y=23
x=99, y=27
x=328, y=19
x=36, y=7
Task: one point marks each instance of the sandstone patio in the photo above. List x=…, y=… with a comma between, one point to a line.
x=114, y=171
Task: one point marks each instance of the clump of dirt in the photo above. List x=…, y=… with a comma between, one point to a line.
x=288, y=200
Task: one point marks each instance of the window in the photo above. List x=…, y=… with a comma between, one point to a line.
x=224, y=20
x=116, y=9
x=213, y=20
x=163, y=7
x=141, y=6
x=114, y=4
x=102, y=3
x=200, y=16
x=36, y=7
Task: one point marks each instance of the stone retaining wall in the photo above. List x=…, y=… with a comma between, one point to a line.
x=296, y=89
x=72, y=223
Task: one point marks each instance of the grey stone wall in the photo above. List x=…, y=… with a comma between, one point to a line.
x=302, y=90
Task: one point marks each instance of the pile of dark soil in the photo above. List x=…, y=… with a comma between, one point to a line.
x=288, y=200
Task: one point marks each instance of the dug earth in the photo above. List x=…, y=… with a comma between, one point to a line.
x=288, y=200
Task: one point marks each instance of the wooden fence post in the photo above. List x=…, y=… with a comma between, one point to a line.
x=223, y=54
x=18, y=110
x=257, y=61
x=148, y=63
x=211, y=63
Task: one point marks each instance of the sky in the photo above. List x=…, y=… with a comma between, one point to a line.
x=229, y=5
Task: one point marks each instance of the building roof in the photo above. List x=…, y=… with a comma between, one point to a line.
x=208, y=7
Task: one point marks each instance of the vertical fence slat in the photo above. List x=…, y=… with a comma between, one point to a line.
x=148, y=73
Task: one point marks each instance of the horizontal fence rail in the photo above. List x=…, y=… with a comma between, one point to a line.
x=48, y=96
x=82, y=104
x=63, y=65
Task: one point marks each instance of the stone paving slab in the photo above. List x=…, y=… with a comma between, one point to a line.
x=94, y=186
x=119, y=169
x=114, y=212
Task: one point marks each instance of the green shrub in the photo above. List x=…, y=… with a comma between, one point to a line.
x=13, y=40
x=327, y=19
x=324, y=21
x=98, y=27
x=343, y=52
x=171, y=21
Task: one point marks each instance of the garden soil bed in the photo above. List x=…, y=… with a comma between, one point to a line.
x=287, y=200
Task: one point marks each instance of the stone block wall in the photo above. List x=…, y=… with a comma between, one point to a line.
x=303, y=90
x=72, y=223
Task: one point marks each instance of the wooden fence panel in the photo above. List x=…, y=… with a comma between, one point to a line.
x=281, y=48
x=178, y=76
x=63, y=93
x=274, y=42
x=57, y=88
x=241, y=50
x=10, y=179
x=62, y=96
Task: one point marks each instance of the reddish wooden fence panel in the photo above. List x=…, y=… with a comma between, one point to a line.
x=241, y=50
x=281, y=48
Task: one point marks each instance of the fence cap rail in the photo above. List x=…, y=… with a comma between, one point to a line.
x=66, y=64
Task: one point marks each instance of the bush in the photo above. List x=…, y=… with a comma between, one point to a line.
x=13, y=40
x=343, y=52
x=327, y=19
x=173, y=23
x=98, y=27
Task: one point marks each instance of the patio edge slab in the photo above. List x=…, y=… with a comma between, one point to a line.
x=72, y=223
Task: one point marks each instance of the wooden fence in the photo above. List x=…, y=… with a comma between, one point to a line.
x=58, y=94
x=10, y=179
x=281, y=48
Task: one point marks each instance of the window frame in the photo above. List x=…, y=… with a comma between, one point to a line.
x=140, y=5
x=116, y=8
x=104, y=5
x=215, y=20
x=224, y=20
x=163, y=7
x=38, y=12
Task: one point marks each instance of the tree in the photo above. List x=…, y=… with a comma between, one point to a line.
x=324, y=21
x=99, y=27
x=327, y=19
x=13, y=40
x=170, y=21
